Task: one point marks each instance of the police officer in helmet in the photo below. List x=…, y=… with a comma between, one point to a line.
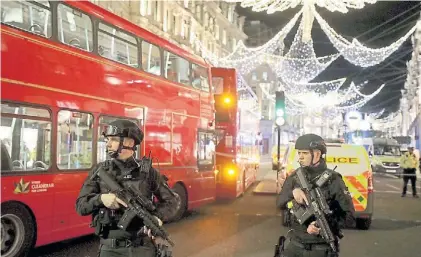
x=304, y=240
x=123, y=137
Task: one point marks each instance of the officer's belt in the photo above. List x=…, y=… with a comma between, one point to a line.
x=310, y=247
x=120, y=243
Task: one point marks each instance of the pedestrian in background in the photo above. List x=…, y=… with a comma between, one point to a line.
x=409, y=163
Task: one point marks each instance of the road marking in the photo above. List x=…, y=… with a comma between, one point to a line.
x=390, y=175
x=393, y=186
x=388, y=192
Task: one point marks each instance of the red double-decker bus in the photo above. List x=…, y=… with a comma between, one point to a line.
x=237, y=149
x=68, y=68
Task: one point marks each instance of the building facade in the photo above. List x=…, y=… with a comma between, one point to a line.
x=411, y=95
x=215, y=24
x=258, y=32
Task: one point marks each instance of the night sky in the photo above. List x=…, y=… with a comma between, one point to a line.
x=358, y=23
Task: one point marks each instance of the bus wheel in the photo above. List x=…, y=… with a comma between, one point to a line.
x=17, y=230
x=179, y=189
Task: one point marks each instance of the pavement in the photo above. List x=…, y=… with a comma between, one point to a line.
x=250, y=225
x=268, y=184
x=266, y=178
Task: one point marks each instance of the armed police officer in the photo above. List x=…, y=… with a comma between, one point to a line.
x=123, y=137
x=304, y=240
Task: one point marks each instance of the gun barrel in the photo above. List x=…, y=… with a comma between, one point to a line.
x=169, y=240
x=333, y=246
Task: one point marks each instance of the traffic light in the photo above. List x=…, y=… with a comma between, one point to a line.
x=280, y=108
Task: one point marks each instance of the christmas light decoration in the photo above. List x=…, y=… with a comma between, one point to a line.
x=295, y=89
x=355, y=52
x=317, y=96
x=353, y=99
x=243, y=54
x=242, y=85
x=272, y=6
x=376, y=115
x=247, y=59
x=393, y=120
x=301, y=65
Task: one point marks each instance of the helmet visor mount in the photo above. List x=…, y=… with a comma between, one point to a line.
x=317, y=145
x=112, y=131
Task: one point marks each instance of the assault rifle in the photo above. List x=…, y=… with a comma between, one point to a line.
x=137, y=206
x=317, y=207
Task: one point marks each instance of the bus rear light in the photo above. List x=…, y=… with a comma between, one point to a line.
x=227, y=100
x=231, y=172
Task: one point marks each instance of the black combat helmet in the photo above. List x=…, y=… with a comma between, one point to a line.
x=311, y=142
x=124, y=128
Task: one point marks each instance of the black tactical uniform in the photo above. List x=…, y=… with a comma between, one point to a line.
x=114, y=241
x=299, y=242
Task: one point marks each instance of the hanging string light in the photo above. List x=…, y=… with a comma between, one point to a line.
x=300, y=64
x=241, y=52
x=355, y=52
x=247, y=59
x=392, y=120
x=272, y=6
x=376, y=115
x=295, y=89
x=331, y=101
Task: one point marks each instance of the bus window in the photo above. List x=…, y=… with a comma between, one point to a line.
x=102, y=145
x=117, y=45
x=74, y=140
x=26, y=134
x=200, y=78
x=223, y=103
x=34, y=16
x=177, y=69
x=74, y=28
x=151, y=58
x=206, y=149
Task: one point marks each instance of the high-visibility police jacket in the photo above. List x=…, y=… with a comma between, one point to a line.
x=409, y=161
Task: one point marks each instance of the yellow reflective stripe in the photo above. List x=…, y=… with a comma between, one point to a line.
x=363, y=180
x=355, y=193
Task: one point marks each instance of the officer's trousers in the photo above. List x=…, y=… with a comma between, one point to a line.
x=409, y=174
x=140, y=251
x=292, y=250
